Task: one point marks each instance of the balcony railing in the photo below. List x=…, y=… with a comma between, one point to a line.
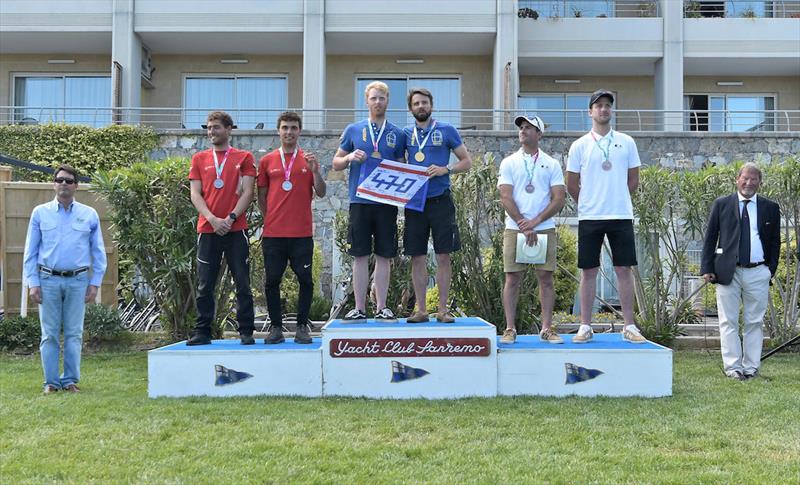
x=741, y=9
x=466, y=119
x=588, y=8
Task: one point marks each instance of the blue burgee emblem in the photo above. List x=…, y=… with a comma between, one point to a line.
x=227, y=376
x=576, y=373
x=402, y=372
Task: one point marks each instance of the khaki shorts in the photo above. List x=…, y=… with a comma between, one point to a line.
x=510, y=264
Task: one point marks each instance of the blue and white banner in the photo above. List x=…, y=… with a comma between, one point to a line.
x=402, y=372
x=393, y=183
x=227, y=376
x=576, y=373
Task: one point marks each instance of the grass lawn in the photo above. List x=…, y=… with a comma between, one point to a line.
x=713, y=430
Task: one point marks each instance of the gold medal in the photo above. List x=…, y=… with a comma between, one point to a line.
x=377, y=155
x=420, y=157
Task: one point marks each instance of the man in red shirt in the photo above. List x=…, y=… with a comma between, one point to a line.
x=288, y=178
x=221, y=181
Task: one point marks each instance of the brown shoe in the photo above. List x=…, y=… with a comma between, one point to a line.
x=444, y=318
x=72, y=388
x=49, y=389
x=418, y=317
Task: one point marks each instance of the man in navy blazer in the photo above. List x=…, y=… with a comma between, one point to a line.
x=740, y=253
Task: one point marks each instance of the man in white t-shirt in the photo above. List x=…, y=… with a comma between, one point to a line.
x=532, y=191
x=602, y=172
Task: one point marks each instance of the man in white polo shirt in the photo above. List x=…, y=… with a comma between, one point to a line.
x=532, y=191
x=602, y=172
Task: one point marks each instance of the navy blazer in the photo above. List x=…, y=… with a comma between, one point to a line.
x=721, y=245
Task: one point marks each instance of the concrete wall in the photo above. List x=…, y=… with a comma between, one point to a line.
x=633, y=92
x=681, y=150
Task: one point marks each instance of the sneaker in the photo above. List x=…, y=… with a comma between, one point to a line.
x=386, y=316
x=550, y=336
x=737, y=376
x=355, y=316
x=49, y=389
x=509, y=336
x=582, y=337
x=631, y=334
x=275, y=335
x=199, y=339
x=444, y=317
x=301, y=334
x=418, y=317
x=72, y=388
x=752, y=375
x=247, y=339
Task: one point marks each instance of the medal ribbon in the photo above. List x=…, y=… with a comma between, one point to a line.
x=372, y=135
x=530, y=170
x=420, y=146
x=287, y=171
x=217, y=166
x=610, y=138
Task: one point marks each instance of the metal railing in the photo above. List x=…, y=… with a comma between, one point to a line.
x=465, y=119
x=587, y=8
x=741, y=9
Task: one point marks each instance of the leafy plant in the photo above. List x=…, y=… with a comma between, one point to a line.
x=87, y=149
x=20, y=333
x=102, y=324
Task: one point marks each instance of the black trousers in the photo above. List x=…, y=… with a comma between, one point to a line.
x=299, y=253
x=210, y=248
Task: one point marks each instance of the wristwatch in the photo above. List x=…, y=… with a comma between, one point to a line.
x=232, y=216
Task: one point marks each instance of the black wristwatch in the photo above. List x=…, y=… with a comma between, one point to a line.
x=233, y=216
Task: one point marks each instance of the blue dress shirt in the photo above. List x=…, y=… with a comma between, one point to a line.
x=64, y=239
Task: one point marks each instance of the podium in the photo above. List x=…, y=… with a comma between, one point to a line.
x=413, y=360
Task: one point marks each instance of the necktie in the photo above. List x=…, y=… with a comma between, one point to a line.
x=744, y=236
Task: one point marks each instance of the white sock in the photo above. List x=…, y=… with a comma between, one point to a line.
x=585, y=328
x=631, y=328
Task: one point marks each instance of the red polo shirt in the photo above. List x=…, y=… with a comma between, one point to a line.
x=288, y=212
x=221, y=202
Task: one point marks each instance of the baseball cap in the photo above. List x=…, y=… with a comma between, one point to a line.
x=534, y=120
x=599, y=94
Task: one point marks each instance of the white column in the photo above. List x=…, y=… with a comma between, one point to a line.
x=505, y=72
x=669, y=69
x=313, y=64
x=126, y=49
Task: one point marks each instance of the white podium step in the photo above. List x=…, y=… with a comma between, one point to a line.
x=605, y=366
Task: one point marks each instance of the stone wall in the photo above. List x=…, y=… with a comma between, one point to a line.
x=681, y=150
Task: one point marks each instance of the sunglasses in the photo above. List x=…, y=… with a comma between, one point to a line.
x=61, y=180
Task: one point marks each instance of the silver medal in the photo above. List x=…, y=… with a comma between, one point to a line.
x=218, y=184
x=529, y=188
x=606, y=165
x=286, y=185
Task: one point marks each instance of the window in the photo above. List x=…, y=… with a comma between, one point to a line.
x=570, y=8
x=729, y=112
x=561, y=112
x=250, y=100
x=446, y=98
x=74, y=99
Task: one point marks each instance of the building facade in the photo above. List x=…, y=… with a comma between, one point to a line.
x=723, y=65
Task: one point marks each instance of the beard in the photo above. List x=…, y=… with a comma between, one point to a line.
x=422, y=116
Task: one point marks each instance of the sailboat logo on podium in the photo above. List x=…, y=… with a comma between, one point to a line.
x=227, y=376
x=402, y=372
x=576, y=373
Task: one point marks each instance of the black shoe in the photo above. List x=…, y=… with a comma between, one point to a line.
x=385, y=316
x=737, y=376
x=247, y=339
x=753, y=375
x=301, y=334
x=275, y=335
x=199, y=339
x=355, y=316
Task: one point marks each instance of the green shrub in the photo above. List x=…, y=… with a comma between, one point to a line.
x=20, y=333
x=102, y=324
x=87, y=149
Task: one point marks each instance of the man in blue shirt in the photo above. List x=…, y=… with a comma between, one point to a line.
x=429, y=143
x=64, y=240
x=370, y=222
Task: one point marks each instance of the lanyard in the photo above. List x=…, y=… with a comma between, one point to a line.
x=607, y=151
x=287, y=171
x=532, y=168
x=217, y=166
x=372, y=135
x=420, y=146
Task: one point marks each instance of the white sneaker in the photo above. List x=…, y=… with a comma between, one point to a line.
x=583, y=336
x=632, y=334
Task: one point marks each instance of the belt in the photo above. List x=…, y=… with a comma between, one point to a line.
x=750, y=265
x=70, y=273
